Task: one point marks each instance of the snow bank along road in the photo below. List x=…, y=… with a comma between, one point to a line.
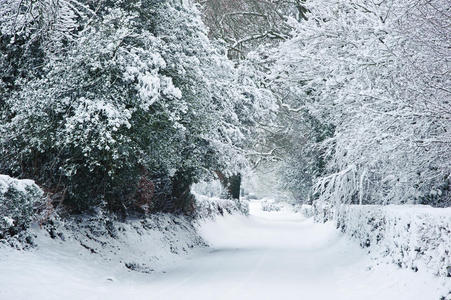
x=268, y=255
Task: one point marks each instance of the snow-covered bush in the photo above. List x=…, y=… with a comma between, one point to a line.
x=270, y=205
x=210, y=207
x=305, y=209
x=18, y=200
x=414, y=237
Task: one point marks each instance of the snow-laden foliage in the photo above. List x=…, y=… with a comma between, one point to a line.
x=207, y=114
x=18, y=201
x=377, y=74
x=138, y=94
x=29, y=30
x=53, y=22
x=245, y=24
x=86, y=118
x=414, y=237
x=211, y=207
x=289, y=138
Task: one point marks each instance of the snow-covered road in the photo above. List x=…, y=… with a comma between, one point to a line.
x=268, y=255
x=282, y=255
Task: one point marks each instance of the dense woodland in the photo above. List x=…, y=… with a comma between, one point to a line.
x=125, y=104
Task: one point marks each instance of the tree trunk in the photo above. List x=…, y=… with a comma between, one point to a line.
x=231, y=185
x=183, y=200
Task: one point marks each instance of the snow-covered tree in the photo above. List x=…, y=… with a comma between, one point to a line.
x=139, y=93
x=246, y=24
x=377, y=73
x=224, y=109
x=85, y=122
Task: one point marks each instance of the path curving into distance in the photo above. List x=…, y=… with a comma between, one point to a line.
x=283, y=255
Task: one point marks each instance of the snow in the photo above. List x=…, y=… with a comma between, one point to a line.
x=149, y=89
x=9, y=221
x=267, y=255
x=19, y=185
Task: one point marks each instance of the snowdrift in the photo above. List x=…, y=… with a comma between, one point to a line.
x=411, y=236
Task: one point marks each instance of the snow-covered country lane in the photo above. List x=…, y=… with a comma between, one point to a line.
x=268, y=255
x=283, y=255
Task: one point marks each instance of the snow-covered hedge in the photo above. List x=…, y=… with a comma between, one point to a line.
x=271, y=205
x=305, y=209
x=209, y=207
x=17, y=201
x=267, y=206
x=411, y=236
x=322, y=211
